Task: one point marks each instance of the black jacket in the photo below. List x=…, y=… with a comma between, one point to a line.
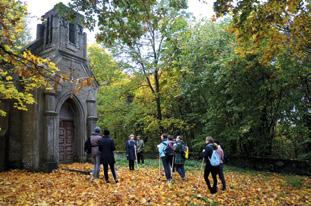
x=106, y=147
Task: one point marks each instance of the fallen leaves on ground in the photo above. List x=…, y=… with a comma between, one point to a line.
x=143, y=187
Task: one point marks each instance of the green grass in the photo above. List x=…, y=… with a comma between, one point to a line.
x=228, y=168
x=154, y=163
x=294, y=181
x=189, y=165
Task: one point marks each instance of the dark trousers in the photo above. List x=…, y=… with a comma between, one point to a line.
x=221, y=176
x=131, y=164
x=140, y=157
x=214, y=170
x=170, y=160
x=181, y=170
x=113, y=171
x=167, y=168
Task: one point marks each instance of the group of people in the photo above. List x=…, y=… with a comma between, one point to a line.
x=214, y=159
x=172, y=153
x=102, y=152
x=135, y=150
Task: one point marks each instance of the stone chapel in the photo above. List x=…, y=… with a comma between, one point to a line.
x=53, y=130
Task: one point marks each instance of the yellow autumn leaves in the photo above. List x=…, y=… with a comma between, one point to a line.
x=21, y=72
x=143, y=187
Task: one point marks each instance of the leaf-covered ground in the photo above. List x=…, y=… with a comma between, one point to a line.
x=143, y=187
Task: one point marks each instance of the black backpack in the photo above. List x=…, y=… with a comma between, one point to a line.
x=168, y=151
x=88, y=146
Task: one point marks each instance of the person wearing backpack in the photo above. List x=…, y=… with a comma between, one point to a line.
x=179, y=161
x=164, y=151
x=107, y=147
x=221, y=166
x=94, y=139
x=131, y=151
x=170, y=151
x=212, y=160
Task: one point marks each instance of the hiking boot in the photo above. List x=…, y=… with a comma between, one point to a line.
x=214, y=190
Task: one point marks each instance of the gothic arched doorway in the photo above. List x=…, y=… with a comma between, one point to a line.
x=71, y=129
x=66, y=132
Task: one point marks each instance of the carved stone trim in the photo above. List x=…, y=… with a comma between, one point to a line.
x=90, y=101
x=51, y=113
x=51, y=93
x=92, y=118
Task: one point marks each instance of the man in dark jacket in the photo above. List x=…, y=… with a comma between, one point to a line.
x=106, y=147
x=207, y=153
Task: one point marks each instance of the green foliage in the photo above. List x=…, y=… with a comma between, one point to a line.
x=113, y=93
x=238, y=100
x=136, y=33
x=206, y=79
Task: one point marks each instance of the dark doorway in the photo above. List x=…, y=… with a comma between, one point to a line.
x=66, y=133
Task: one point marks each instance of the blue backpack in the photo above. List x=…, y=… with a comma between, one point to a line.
x=215, y=159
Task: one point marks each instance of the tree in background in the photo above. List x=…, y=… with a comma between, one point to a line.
x=124, y=105
x=271, y=27
x=247, y=105
x=255, y=104
x=279, y=33
x=137, y=31
x=115, y=89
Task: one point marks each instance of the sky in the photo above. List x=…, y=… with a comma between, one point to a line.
x=37, y=8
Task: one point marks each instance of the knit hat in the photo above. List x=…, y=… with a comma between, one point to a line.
x=97, y=130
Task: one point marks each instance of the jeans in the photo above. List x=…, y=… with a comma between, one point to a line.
x=181, y=171
x=131, y=164
x=113, y=171
x=167, y=168
x=221, y=176
x=96, y=166
x=214, y=170
x=140, y=157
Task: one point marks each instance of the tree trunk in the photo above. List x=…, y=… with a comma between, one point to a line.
x=158, y=99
